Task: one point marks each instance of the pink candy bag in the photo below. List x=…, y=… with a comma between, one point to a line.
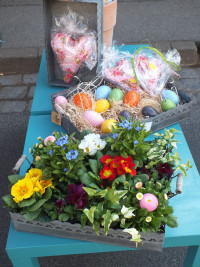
x=73, y=45
x=117, y=69
x=152, y=69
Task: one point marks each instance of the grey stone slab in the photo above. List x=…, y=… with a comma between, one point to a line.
x=12, y=106
x=29, y=105
x=197, y=95
x=30, y=78
x=169, y=20
x=16, y=92
x=188, y=52
x=19, y=60
x=31, y=92
x=22, y=26
x=10, y=79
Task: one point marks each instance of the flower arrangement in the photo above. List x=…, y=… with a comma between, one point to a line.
x=121, y=181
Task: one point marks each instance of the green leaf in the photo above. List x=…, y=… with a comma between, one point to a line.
x=107, y=221
x=90, y=213
x=91, y=192
x=142, y=212
x=15, y=178
x=63, y=217
x=142, y=177
x=83, y=134
x=48, y=193
x=168, y=210
x=171, y=221
x=26, y=202
x=94, y=176
x=115, y=195
x=103, y=192
x=8, y=199
x=32, y=215
x=88, y=181
x=43, y=217
x=120, y=179
x=83, y=220
x=96, y=227
x=156, y=222
x=94, y=165
x=37, y=205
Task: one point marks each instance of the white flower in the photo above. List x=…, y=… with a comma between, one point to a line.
x=30, y=150
x=88, y=147
x=165, y=197
x=139, y=196
x=148, y=219
x=134, y=233
x=127, y=212
x=92, y=143
x=114, y=216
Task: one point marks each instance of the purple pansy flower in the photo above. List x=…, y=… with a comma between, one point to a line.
x=60, y=203
x=77, y=195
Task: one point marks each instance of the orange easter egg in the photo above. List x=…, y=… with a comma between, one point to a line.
x=132, y=98
x=83, y=101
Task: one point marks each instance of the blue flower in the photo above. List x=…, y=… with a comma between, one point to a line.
x=62, y=141
x=65, y=170
x=51, y=152
x=138, y=128
x=136, y=142
x=72, y=154
x=126, y=125
x=115, y=135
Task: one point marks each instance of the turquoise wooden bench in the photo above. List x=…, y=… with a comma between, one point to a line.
x=24, y=248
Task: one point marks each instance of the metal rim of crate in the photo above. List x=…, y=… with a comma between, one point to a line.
x=48, y=49
x=150, y=241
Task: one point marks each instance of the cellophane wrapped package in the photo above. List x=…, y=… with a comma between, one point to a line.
x=152, y=69
x=73, y=44
x=116, y=68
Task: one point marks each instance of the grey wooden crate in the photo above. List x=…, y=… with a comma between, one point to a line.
x=150, y=241
x=91, y=10
x=159, y=122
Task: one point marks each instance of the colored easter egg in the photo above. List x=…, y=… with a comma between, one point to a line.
x=167, y=104
x=102, y=92
x=132, y=98
x=83, y=101
x=61, y=101
x=149, y=202
x=102, y=105
x=149, y=111
x=106, y=126
x=94, y=118
x=126, y=114
x=115, y=95
x=169, y=94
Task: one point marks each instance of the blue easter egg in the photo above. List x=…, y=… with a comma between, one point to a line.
x=169, y=94
x=102, y=92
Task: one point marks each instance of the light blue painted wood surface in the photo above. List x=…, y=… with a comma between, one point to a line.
x=42, y=102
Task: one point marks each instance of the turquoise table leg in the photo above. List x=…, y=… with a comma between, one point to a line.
x=25, y=262
x=192, y=258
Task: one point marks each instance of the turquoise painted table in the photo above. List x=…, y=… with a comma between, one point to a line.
x=42, y=102
x=24, y=248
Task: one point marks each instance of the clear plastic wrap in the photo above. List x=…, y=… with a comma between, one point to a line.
x=152, y=69
x=116, y=67
x=73, y=44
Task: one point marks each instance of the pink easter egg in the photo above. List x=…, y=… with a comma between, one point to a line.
x=149, y=202
x=61, y=101
x=94, y=118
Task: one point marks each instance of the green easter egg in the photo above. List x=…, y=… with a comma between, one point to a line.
x=167, y=104
x=115, y=95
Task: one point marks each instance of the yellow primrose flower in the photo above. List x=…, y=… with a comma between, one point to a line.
x=148, y=219
x=34, y=174
x=23, y=189
x=44, y=184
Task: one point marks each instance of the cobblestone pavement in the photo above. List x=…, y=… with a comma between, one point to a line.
x=16, y=92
